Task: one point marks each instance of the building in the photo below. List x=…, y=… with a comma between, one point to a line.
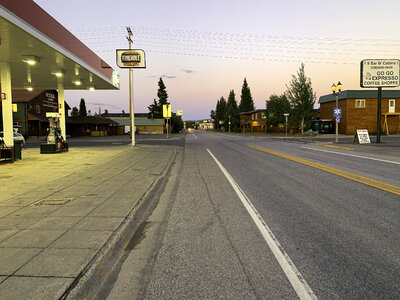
x=143, y=124
x=360, y=108
x=30, y=108
x=253, y=121
x=92, y=126
x=206, y=125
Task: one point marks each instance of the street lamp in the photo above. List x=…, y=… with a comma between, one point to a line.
x=339, y=88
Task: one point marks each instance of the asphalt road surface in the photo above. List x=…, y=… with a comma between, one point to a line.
x=265, y=218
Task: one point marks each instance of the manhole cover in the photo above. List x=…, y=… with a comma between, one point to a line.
x=53, y=202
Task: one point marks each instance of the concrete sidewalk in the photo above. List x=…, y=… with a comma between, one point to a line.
x=57, y=211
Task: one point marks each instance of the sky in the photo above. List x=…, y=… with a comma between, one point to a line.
x=203, y=49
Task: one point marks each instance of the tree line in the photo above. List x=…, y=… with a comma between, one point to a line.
x=226, y=114
x=298, y=101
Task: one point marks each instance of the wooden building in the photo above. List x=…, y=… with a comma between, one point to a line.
x=92, y=126
x=360, y=109
x=253, y=121
x=143, y=124
x=30, y=108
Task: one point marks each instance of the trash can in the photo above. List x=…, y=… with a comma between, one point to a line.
x=17, y=150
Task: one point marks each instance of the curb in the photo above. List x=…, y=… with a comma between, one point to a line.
x=89, y=282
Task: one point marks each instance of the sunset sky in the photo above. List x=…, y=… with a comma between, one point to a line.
x=203, y=49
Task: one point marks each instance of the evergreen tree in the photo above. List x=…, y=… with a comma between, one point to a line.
x=176, y=123
x=220, y=112
x=213, y=117
x=156, y=109
x=74, y=112
x=276, y=107
x=301, y=97
x=82, y=108
x=232, y=113
x=246, y=100
x=162, y=93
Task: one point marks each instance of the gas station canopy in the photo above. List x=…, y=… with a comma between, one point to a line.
x=38, y=53
x=42, y=53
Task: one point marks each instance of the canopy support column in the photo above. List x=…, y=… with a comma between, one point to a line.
x=7, y=104
x=61, y=110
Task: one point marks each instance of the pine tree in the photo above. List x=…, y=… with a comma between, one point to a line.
x=82, y=108
x=232, y=112
x=156, y=108
x=301, y=97
x=246, y=100
x=220, y=112
x=162, y=93
x=74, y=112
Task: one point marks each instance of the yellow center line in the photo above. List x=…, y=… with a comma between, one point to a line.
x=368, y=181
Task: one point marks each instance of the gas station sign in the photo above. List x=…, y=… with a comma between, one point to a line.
x=131, y=58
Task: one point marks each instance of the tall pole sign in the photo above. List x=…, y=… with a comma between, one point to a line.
x=131, y=58
x=379, y=73
x=167, y=114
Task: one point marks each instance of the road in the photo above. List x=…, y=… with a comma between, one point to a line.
x=265, y=218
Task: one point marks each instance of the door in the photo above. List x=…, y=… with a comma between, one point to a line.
x=391, y=106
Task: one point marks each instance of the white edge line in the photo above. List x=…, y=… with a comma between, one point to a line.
x=297, y=280
x=353, y=155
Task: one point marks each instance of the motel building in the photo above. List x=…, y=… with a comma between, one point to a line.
x=38, y=54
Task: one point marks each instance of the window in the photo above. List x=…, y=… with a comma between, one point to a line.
x=37, y=109
x=360, y=103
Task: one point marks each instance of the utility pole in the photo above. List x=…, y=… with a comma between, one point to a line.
x=131, y=110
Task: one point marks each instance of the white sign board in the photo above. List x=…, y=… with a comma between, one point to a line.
x=362, y=136
x=131, y=58
x=380, y=73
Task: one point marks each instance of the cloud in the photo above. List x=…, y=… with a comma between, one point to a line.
x=103, y=104
x=164, y=76
x=188, y=71
x=168, y=76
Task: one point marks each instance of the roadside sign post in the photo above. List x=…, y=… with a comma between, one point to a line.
x=337, y=86
x=379, y=73
x=286, y=119
x=337, y=113
x=131, y=58
x=167, y=114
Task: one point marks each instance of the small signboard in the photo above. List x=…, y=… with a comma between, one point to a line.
x=179, y=113
x=167, y=111
x=361, y=136
x=337, y=112
x=131, y=58
x=380, y=73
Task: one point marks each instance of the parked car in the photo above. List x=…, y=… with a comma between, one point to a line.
x=322, y=126
x=17, y=137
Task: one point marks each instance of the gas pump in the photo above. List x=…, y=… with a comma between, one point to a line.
x=54, y=141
